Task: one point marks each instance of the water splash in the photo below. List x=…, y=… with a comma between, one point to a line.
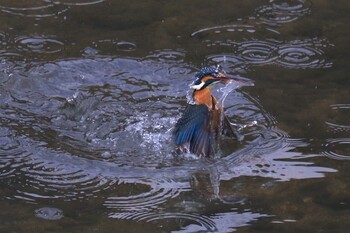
x=241, y=82
x=87, y=136
x=229, y=62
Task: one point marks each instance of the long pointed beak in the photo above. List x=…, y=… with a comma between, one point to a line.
x=236, y=79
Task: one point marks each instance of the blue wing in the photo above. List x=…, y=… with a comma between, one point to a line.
x=193, y=130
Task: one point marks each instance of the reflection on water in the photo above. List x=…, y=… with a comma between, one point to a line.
x=86, y=118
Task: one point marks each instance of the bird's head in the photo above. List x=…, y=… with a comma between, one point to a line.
x=209, y=76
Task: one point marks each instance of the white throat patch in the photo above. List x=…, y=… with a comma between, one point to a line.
x=198, y=87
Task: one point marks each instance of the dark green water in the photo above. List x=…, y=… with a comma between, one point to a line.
x=89, y=91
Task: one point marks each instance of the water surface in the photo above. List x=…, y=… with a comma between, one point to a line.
x=90, y=89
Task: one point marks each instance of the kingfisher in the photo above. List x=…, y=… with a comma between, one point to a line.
x=203, y=120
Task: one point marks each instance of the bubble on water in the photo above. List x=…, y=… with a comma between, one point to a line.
x=49, y=213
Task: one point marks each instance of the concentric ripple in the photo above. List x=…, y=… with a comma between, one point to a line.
x=195, y=222
x=224, y=28
x=229, y=62
x=42, y=9
x=79, y=2
x=256, y=52
x=159, y=192
x=342, y=112
x=302, y=54
x=36, y=9
x=293, y=54
x=12, y=154
x=167, y=55
x=108, y=45
x=99, y=130
x=38, y=44
x=201, y=221
x=337, y=148
x=53, y=179
x=283, y=11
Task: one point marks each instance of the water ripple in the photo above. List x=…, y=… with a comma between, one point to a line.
x=201, y=220
x=38, y=44
x=225, y=28
x=167, y=55
x=52, y=179
x=342, y=115
x=85, y=134
x=337, y=148
x=282, y=11
x=256, y=52
x=302, y=54
x=40, y=9
x=195, y=222
x=293, y=54
x=108, y=45
x=78, y=2
x=229, y=62
x=159, y=192
x=12, y=154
